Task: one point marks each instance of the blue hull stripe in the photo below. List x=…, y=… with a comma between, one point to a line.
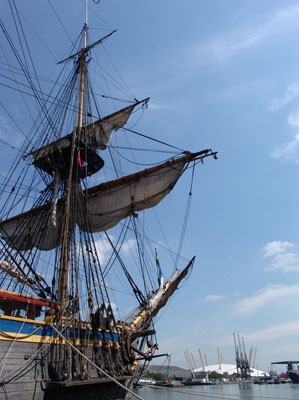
x=13, y=327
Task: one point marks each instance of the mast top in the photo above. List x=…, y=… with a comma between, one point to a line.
x=86, y=49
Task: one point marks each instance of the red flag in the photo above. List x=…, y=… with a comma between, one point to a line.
x=79, y=161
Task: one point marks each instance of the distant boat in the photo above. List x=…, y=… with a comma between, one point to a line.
x=146, y=382
x=167, y=383
x=292, y=369
x=194, y=382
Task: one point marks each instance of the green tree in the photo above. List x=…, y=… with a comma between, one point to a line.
x=154, y=375
x=215, y=375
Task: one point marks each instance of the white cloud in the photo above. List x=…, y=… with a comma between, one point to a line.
x=213, y=297
x=223, y=47
x=274, y=332
x=158, y=107
x=265, y=297
x=275, y=247
x=288, y=151
x=103, y=249
x=128, y=246
x=263, y=335
x=290, y=94
x=280, y=258
x=113, y=306
x=293, y=119
x=286, y=262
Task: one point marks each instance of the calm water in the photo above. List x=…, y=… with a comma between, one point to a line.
x=245, y=391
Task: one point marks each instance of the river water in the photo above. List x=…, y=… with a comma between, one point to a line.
x=244, y=391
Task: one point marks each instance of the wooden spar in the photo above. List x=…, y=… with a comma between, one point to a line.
x=108, y=185
x=85, y=50
x=23, y=298
x=146, y=313
x=63, y=278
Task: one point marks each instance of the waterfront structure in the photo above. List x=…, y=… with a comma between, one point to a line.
x=228, y=370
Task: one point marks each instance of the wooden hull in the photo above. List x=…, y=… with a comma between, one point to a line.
x=24, y=371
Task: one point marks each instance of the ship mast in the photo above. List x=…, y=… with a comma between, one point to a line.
x=71, y=188
x=71, y=193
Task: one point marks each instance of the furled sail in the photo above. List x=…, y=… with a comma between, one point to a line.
x=33, y=229
x=95, y=136
x=130, y=194
x=106, y=204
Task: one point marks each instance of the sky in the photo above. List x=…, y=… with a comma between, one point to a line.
x=220, y=75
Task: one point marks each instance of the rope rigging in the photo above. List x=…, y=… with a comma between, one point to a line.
x=153, y=139
x=61, y=213
x=185, y=217
x=24, y=68
x=136, y=290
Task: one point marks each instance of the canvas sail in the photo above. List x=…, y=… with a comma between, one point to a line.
x=106, y=205
x=106, y=208
x=96, y=135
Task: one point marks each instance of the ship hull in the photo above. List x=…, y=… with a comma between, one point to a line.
x=294, y=376
x=24, y=371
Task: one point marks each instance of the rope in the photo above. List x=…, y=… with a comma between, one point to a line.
x=187, y=211
x=17, y=337
x=95, y=366
x=151, y=138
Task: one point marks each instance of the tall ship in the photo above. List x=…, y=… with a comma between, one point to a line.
x=80, y=279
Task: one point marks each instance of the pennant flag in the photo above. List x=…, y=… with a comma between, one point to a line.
x=79, y=161
x=158, y=267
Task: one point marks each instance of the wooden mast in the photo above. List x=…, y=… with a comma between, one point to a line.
x=70, y=189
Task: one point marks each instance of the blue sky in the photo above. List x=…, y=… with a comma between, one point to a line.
x=221, y=75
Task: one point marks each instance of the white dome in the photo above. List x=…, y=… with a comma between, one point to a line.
x=229, y=369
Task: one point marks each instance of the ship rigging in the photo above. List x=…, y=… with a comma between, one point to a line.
x=69, y=217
